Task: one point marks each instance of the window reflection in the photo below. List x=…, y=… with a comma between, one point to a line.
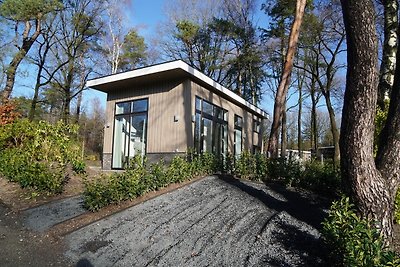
x=129, y=132
x=211, y=128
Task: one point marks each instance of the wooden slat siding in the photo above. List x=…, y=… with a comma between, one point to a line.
x=108, y=130
x=165, y=101
x=232, y=108
x=176, y=98
x=188, y=112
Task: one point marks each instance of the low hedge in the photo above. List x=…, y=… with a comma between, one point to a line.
x=105, y=190
x=139, y=179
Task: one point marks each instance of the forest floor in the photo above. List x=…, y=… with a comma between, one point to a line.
x=28, y=233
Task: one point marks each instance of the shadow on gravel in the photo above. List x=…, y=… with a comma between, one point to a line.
x=309, y=249
x=307, y=208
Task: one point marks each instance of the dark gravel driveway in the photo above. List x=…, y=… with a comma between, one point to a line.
x=213, y=222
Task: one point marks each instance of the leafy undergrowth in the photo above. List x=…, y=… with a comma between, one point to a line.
x=354, y=241
x=139, y=179
x=38, y=155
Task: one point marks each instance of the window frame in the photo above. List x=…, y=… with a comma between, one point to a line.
x=215, y=120
x=129, y=115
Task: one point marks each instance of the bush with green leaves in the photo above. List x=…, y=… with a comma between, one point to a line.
x=284, y=171
x=37, y=154
x=321, y=178
x=251, y=166
x=245, y=165
x=139, y=179
x=352, y=240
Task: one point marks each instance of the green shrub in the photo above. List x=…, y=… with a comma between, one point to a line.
x=353, y=241
x=284, y=171
x=261, y=170
x=245, y=165
x=79, y=166
x=157, y=178
x=321, y=178
x=137, y=179
x=229, y=164
x=178, y=170
x=208, y=163
x=36, y=154
x=251, y=166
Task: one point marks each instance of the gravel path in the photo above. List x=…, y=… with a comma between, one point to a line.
x=44, y=217
x=212, y=222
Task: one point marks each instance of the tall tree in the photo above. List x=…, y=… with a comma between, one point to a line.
x=326, y=44
x=373, y=183
x=133, y=51
x=79, y=31
x=225, y=46
x=388, y=65
x=45, y=73
x=31, y=13
x=280, y=97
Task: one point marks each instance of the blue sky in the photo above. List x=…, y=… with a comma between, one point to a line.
x=144, y=15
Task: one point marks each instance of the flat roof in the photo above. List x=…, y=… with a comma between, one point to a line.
x=176, y=68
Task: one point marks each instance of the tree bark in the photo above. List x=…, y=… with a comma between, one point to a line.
x=284, y=132
x=388, y=65
x=11, y=71
x=334, y=130
x=283, y=87
x=314, y=129
x=372, y=185
x=299, y=139
x=32, y=110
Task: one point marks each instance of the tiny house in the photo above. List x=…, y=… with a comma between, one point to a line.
x=167, y=109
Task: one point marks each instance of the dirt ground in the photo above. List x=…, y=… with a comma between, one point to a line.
x=21, y=247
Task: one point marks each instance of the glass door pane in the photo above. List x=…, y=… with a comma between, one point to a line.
x=238, y=142
x=120, y=139
x=207, y=135
x=220, y=139
x=197, y=133
x=138, y=135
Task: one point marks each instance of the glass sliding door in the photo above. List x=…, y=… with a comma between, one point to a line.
x=138, y=135
x=130, y=126
x=211, y=128
x=207, y=135
x=121, y=134
x=238, y=135
x=221, y=139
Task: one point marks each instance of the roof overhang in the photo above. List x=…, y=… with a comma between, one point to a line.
x=169, y=70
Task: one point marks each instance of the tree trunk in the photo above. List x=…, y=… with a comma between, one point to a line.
x=388, y=65
x=372, y=185
x=35, y=98
x=284, y=132
x=299, y=139
x=78, y=107
x=334, y=129
x=314, y=130
x=11, y=71
x=66, y=108
x=283, y=87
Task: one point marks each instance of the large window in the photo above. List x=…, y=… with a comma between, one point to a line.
x=256, y=126
x=211, y=128
x=238, y=135
x=130, y=127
